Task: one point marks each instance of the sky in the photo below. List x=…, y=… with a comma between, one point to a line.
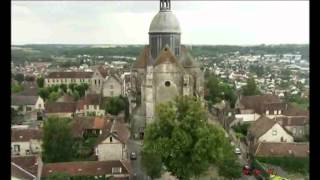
x=127, y=22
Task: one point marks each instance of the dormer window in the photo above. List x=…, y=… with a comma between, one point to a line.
x=274, y=132
x=116, y=170
x=279, y=112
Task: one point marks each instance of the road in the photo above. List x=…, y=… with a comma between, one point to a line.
x=135, y=146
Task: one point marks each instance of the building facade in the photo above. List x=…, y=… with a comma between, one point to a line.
x=164, y=69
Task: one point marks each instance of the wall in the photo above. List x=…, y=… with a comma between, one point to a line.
x=114, y=91
x=269, y=137
x=23, y=147
x=110, y=150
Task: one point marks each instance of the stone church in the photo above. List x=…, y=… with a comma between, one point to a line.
x=164, y=69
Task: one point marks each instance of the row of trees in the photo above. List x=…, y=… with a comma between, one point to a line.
x=182, y=142
x=52, y=93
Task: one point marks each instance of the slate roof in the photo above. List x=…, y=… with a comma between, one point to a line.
x=117, y=130
x=293, y=121
x=80, y=75
x=21, y=100
x=268, y=149
x=90, y=99
x=60, y=107
x=24, y=135
x=261, y=126
x=89, y=168
x=186, y=59
x=295, y=111
x=166, y=56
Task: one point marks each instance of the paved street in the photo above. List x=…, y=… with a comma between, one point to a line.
x=135, y=146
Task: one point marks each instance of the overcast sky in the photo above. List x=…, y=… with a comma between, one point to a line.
x=127, y=22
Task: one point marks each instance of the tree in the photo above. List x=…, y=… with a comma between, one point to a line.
x=40, y=82
x=186, y=144
x=58, y=176
x=251, y=88
x=53, y=96
x=151, y=163
x=230, y=168
x=43, y=93
x=15, y=88
x=19, y=77
x=57, y=140
x=115, y=105
x=63, y=87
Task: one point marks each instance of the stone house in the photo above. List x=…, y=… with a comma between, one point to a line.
x=90, y=104
x=27, y=103
x=25, y=141
x=112, y=144
x=267, y=130
x=90, y=126
x=112, y=86
x=268, y=105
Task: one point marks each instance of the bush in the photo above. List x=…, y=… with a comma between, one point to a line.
x=291, y=164
x=241, y=128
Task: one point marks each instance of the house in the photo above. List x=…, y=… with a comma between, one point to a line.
x=57, y=78
x=25, y=141
x=267, y=130
x=29, y=88
x=297, y=125
x=276, y=149
x=24, y=167
x=27, y=103
x=112, y=145
x=60, y=109
x=90, y=126
x=112, y=86
x=269, y=105
x=91, y=104
x=118, y=170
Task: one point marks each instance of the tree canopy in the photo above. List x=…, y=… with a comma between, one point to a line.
x=184, y=142
x=57, y=140
x=251, y=88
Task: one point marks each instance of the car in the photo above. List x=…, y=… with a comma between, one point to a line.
x=237, y=151
x=133, y=155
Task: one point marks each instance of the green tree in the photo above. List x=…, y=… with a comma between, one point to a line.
x=19, y=77
x=15, y=88
x=115, y=105
x=186, y=144
x=58, y=176
x=40, y=82
x=251, y=88
x=53, y=96
x=81, y=89
x=230, y=168
x=57, y=140
x=63, y=87
x=72, y=86
x=43, y=93
x=151, y=163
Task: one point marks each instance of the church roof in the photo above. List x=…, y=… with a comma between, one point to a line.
x=186, y=59
x=165, y=22
x=166, y=55
x=143, y=58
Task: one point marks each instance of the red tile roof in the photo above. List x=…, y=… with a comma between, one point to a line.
x=88, y=168
x=24, y=135
x=60, y=107
x=23, y=166
x=282, y=149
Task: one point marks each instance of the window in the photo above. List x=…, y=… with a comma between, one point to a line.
x=275, y=112
x=28, y=109
x=267, y=112
x=95, y=82
x=279, y=112
x=274, y=132
x=16, y=148
x=97, y=151
x=110, y=139
x=39, y=105
x=27, y=152
x=167, y=83
x=116, y=170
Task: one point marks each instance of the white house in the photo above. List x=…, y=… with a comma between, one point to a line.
x=25, y=141
x=268, y=130
x=27, y=103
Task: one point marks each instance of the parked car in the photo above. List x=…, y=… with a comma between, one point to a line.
x=133, y=155
x=237, y=151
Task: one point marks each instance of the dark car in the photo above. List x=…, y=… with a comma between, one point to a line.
x=133, y=155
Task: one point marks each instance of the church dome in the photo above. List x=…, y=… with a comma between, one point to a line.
x=165, y=22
